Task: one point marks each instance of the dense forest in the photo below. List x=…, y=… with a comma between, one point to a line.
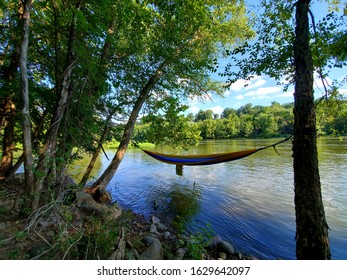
x=76, y=74
x=248, y=121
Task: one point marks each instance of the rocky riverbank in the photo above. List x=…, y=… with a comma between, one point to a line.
x=75, y=226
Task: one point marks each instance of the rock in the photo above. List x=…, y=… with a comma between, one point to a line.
x=88, y=206
x=148, y=240
x=166, y=234
x=82, y=197
x=226, y=247
x=117, y=211
x=180, y=253
x=153, y=252
x=161, y=226
x=155, y=220
x=153, y=229
x=215, y=241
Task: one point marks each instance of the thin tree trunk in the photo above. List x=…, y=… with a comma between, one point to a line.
x=34, y=135
x=311, y=227
x=47, y=156
x=106, y=177
x=97, y=151
x=8, y=111
x=6, y=161
x=102, y=70
x=23, y=61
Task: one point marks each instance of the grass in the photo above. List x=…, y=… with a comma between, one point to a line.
x=114, y=145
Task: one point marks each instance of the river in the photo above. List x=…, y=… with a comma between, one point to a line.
x=249, y=202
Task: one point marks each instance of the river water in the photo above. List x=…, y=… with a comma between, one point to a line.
x=249, y=202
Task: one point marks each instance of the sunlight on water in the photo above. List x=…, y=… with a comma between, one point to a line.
x=249, y=201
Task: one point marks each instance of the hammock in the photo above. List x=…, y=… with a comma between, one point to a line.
x=194, y=160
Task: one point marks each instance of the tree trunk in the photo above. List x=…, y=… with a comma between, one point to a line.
x=106, y=177
x=6, y=161
x=311, y=227
x=23, y=61
x=97, y=151
x=8, y=110
x=34, y=135
x=48, y=153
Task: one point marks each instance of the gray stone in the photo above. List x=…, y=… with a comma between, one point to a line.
x=81, y=197
x=88, y=206
x=148, y=240
x=226, y=247
x=153, y=229
x=166, y=234
x=153, y=252
x=117, y=211
x=180, y=253
x=155, y=220
x=161, y=226
x=215, y=241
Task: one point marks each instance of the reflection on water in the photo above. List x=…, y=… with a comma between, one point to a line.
x=249, y=202
x=79, y=167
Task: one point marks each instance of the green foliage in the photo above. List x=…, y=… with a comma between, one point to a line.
x=198, y=243
x=332, y=116
x=271, y=53
x=169, y=128
x=249, y=121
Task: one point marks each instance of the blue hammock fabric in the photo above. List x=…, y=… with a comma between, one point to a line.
x=195, y=160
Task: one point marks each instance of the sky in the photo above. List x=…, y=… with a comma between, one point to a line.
x=262, y=90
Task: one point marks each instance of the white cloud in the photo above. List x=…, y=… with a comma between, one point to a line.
x=263, y=92
x=239, y=97
x=217, y=109
x=238, y=85
x=289, y=93
x=258, y=83
x=255, y=82
x=193, y=109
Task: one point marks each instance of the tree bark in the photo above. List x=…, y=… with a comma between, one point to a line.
x=23, y=61
x=97, y=151
x=8, y=110
x=311, y=227
x=48, y=152
x=106, y=177
x=6, y=161
x=34, y=135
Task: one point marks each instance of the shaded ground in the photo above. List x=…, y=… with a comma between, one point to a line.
x=74, y=226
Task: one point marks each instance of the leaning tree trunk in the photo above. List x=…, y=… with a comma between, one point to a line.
x=46, y=159
x=311, y=227
x=97, y=151
x=106, y=177
x=27, y=150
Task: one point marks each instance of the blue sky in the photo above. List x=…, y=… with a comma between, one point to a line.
x=262, y=90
